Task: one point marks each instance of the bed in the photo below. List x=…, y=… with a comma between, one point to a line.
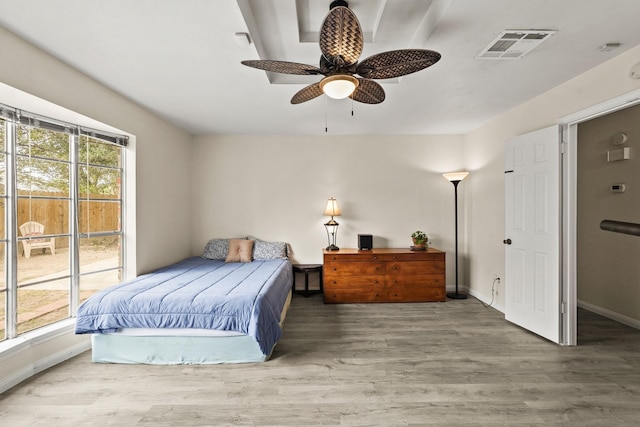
x=226, y=306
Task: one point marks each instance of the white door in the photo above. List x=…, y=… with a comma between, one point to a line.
x=532, y=232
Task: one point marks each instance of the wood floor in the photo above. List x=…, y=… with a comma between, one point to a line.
x=450, y=364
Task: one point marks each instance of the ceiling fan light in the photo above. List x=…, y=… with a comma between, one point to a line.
x=338, y=86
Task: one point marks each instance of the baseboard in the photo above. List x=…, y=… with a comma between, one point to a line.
x=42, y=364
x=620, y=318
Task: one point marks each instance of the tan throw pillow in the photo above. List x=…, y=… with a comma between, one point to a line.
x=239, y=250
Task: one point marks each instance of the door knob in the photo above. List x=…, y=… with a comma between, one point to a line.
x=507, y=242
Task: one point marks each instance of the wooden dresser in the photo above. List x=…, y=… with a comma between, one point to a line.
x=384, y=275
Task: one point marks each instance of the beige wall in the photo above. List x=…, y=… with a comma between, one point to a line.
x=276, y=188
x=161, y=150
x=161, y=194
x=484, y=158
x=608, y=276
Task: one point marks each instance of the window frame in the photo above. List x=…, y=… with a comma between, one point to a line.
x=12, y=241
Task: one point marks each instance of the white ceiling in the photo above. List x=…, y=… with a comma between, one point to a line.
x=180, y=58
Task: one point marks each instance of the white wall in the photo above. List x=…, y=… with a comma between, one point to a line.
x=276, y=188
x=163, y=202
x=484, y=158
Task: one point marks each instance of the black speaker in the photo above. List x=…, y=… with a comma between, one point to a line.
x=365, y=242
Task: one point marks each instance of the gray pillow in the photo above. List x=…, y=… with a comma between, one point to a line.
x=216, y=249
x=269, y=250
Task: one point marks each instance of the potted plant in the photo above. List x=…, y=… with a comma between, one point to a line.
x=419, y=240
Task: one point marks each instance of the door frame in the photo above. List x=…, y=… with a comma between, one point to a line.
x=569, y=177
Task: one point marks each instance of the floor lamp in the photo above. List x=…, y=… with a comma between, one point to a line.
x=455, y=178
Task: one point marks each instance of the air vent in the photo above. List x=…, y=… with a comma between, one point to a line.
x=514, y=44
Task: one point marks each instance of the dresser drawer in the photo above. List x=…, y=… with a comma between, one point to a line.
x=414, y=293
x=355, y=294
x=428, y=280
x=360, y=282
x=413, y=256
x=354, y=268
x=415, y=268
x=366, y=256
x=363, y=256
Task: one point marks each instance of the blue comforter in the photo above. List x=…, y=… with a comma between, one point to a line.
x=196, y=293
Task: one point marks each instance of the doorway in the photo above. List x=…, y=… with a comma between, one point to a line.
x=571, y=236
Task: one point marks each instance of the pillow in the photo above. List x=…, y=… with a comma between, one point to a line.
x=216, y=249
x=269, y=250
x=239, y=250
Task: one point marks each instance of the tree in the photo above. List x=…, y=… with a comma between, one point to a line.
x=43, y=162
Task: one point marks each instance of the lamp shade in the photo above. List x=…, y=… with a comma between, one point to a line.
x=332, y=208
x=455, y=176
x=339, y=86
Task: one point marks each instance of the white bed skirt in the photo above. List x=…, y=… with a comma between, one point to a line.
x=158, y=348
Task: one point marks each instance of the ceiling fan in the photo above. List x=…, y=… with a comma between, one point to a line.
x=341, y=44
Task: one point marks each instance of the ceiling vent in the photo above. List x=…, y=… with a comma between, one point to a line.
x=514, y=44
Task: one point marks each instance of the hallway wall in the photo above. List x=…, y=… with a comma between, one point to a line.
x=608, y=276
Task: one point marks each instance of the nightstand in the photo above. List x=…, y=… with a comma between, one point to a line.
x=307, y=269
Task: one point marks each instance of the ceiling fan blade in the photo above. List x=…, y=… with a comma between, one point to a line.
x=341, y=37
x=283, y=67
x=396, y=63
x=368, y=92
x=307, y=94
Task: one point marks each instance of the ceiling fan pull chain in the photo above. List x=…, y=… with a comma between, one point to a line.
x=351, y=107
x=326, y=126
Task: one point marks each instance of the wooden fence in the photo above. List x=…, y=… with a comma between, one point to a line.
x=93, y=216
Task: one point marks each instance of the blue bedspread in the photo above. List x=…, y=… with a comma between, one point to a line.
x=196, y=293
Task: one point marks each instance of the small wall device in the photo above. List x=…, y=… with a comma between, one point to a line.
x=618, y=154
x=618, y=139
x=365, y=242
x=617, y=188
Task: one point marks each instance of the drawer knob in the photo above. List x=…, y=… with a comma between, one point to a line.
x=334, y=282
x=375, y=257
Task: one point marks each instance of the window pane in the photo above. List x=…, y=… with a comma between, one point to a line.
x=99, y=182
x=41, y=263
x=42, y=143
x=95, y=152
x=42, y=176
x=2, y=133
x=3, y=168
x=3, y=293
x=52, y=214
x=43, y=287
x=99, y=216
x=3, y=204
x=96, y=255
x=3, y=158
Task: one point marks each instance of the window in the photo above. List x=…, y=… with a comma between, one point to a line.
x=61, y=203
